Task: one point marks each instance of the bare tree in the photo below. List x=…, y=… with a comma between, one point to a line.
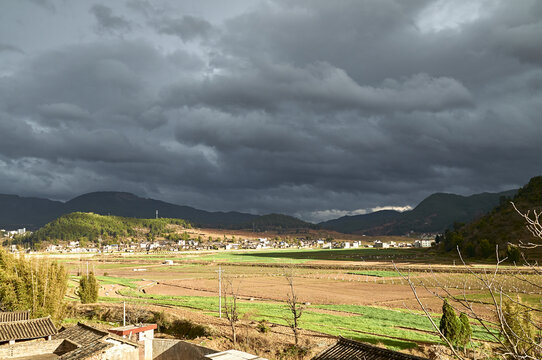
x=230, y=307
x=294, y=306
x=511, y=325
x=532, y=224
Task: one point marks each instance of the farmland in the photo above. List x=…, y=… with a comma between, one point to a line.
x=355, y=293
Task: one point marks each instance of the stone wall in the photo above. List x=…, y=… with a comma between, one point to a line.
x=30, y=348
x=166, y=349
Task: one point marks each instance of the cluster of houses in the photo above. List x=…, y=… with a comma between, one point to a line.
x=12, y=233
x=423, y=243
x=261, y=243
x=23, y=338
x=218, y=244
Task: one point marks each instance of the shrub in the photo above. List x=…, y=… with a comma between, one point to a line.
x=162, y=320
x=293, y=352
x=262, y=326
x=186, y=329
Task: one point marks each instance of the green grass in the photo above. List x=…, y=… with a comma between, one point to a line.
x=377, y=273
x=303, y=255
x=130, y=283
x=249, y=257
x=392, y=328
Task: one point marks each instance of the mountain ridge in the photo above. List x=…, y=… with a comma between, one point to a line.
x=435, y=213
x=31, y=212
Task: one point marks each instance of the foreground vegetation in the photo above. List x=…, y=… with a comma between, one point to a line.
x=38, y=285
x=396, y=329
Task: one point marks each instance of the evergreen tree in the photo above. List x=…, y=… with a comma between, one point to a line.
x=450, y=326
x=88, y=289
x=465, y=334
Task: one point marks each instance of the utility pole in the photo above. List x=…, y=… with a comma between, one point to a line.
x=219, y=291
x=157, y=214
x=124, y=313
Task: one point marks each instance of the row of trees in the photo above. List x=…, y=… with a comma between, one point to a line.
x=37, y=285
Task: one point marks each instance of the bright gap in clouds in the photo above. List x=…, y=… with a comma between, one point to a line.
x=451, y=14
x=324, y=215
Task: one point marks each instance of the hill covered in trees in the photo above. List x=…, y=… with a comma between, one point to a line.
x=434, y=214
x=91, y=227
x=501, y=226
x=277, y=222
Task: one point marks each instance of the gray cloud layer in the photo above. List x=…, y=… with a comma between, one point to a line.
x=311, y=108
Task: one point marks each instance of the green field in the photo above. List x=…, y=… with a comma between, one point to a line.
x=333, y=254
x=376, y=273
x=396, y=329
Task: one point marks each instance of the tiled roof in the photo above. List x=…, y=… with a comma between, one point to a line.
x=86, y=351
x=14, y=316
x=91, y=341
x=81, y=334
x=27, y=329
x=346, y=349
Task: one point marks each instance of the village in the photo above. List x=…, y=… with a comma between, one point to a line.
x=199, y=244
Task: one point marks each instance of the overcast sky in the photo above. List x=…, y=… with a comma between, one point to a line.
x=312, y=108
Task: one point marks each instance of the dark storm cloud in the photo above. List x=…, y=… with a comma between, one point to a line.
x=46, y=4
x=312, y=108
x=107, y=21
x=10, y=48
x=320, y=86
x=187, y=28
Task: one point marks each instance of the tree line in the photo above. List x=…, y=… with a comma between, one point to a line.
x=35, y=285
x=93, y=227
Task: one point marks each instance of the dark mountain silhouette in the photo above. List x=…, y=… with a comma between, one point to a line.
x=434, y=214
x=33, y=213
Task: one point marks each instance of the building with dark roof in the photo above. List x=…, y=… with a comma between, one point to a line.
x=78, y=342
x=6, y=316
x=346, y=349
x=81, y=334
x=13, y=331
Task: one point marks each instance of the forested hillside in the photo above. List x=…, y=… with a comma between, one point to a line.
x=501, y=226
x=92, y=227
x=277, y=222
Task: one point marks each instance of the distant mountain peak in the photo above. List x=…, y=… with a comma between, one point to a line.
x=435, y=213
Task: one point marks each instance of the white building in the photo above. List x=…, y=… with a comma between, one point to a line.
x=423, y=243
x=381, y=245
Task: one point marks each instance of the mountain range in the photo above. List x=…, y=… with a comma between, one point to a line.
x=433, y=214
